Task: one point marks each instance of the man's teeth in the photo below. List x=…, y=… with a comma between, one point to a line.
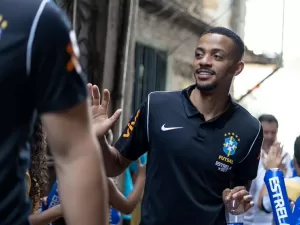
x=205, y=73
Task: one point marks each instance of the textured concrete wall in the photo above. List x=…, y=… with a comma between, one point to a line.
x=180, y=43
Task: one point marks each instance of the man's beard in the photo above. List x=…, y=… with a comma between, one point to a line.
x=206, y=87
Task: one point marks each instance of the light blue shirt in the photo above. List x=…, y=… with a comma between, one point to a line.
x=128, y=183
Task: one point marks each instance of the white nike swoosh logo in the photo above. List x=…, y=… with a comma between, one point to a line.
x=163, y=128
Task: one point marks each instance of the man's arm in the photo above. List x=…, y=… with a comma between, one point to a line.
x=59, y=94
x=115, y=163
x=246, y=171
x=133, y=142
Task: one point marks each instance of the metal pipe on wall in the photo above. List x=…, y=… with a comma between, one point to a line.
x=279, y=64
x=124, y=78
x=74, y=14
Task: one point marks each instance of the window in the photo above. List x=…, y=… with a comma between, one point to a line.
x=150, y=72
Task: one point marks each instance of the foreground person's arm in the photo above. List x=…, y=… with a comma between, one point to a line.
x=59, y=94
x=79, y=166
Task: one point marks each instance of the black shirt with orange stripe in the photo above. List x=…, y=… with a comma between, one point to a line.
x=39, y=73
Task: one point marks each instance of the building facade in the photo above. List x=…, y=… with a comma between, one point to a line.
x=166, y=37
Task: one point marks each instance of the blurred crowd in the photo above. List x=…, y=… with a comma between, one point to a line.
x=273, y=155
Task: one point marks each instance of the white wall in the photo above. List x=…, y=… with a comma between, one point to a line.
x=279, y=96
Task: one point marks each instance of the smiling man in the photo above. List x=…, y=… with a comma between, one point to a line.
x=202, y=146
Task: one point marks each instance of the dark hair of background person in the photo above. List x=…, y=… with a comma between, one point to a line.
x=239, y=44
x=38, y=170
x=268, y=118
x=297, y=150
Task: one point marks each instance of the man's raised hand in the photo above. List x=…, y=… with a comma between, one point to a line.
x=101, y=122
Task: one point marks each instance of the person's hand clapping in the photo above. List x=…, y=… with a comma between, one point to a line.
x=274, y=158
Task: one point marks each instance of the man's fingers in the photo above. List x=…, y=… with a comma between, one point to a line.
x=103, y=127
x=116, y=116
x=90, y=90
x=240, y=194
x=96, y=95
x=277, y=148
x=276, y=144
x=106, y=99
x=248, y=198
x=227, y=194
x=112, y=120
x=248, y=206
x=238, y=189
x=272, y=151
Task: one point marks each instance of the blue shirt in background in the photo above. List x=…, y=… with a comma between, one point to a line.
x=128, y=183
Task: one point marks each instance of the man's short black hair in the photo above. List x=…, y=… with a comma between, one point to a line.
x=297, y=150
x=240, y=47
x=268, y=118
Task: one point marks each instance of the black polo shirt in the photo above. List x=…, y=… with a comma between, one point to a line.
x=38, y=74
x=190, y=160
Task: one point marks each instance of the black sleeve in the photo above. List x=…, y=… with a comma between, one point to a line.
x=134, y=140
x=247, y=169
x=55, y=73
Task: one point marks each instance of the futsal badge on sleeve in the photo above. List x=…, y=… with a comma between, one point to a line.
x=73, y=50
x=3, y=25
x=230, y=146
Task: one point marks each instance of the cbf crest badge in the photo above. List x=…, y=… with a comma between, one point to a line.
x=230, y=144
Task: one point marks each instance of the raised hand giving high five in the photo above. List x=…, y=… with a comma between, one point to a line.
x=101, y=122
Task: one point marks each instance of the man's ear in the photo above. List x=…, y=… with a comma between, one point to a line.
x=239, y=68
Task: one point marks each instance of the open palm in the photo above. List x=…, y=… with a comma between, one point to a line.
x=274, y=158
x=101, y=122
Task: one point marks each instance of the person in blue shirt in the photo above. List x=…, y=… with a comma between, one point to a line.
x=294, y=172
x=126, y=203
x=37, y=180
x=130, y=178
x=292, y=184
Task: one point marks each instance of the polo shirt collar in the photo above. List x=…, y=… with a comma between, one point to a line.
x=191, y=110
